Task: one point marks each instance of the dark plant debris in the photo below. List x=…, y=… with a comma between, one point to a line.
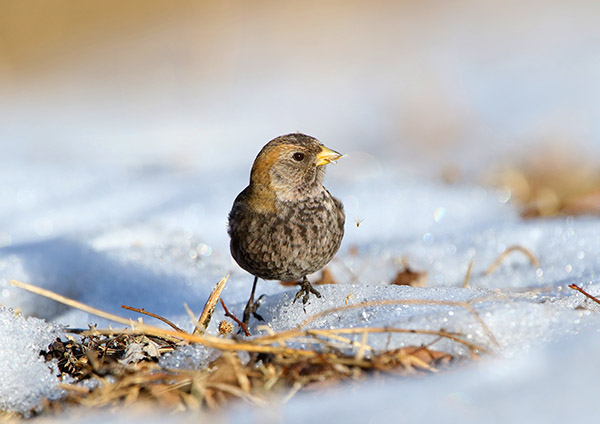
x=406, y=276
x=126, y=370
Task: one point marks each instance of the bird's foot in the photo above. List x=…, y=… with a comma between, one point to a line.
x=251, y=308
x=305, y=290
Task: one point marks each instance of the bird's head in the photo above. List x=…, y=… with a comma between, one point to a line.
x=292, y=165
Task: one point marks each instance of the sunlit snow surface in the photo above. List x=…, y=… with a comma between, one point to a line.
x=156, y=238
x=25, y=378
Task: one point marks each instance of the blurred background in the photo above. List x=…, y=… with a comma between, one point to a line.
x=434, y=87
x=127, y=128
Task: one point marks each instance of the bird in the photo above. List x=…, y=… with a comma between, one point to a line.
x=285, y=225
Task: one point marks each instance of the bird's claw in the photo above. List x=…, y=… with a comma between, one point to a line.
x=305, y=290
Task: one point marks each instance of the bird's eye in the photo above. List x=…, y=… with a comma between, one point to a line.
x=298, y=156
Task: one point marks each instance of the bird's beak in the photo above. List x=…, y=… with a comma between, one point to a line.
x=326, y=156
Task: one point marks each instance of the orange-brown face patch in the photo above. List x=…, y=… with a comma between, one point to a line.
x=264, y=196
x=269, y=158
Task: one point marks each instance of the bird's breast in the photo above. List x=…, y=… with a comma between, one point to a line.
x=290, y=240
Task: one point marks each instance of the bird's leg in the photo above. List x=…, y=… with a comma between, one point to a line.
x=252, y=306
x=305, y=290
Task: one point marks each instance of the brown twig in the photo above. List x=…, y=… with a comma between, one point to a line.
x=153, y=315
x=236, y=319
x=532, y=259
x=582, y=291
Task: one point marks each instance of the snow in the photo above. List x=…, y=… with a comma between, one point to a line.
x=113, y=210
x=162, y=248
x=25, y=378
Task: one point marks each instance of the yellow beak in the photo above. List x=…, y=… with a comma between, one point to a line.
x=326, y=156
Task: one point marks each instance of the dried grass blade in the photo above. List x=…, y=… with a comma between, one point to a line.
x=532, y=259
x=73, y=303
x=209, y=307
x=468, y=275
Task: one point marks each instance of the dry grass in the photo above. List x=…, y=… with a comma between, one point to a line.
x=226, y=378
x=124, y=364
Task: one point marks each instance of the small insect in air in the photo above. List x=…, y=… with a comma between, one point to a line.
x=358, y=222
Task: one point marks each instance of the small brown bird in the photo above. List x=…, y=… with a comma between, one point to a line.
x=285, y=224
